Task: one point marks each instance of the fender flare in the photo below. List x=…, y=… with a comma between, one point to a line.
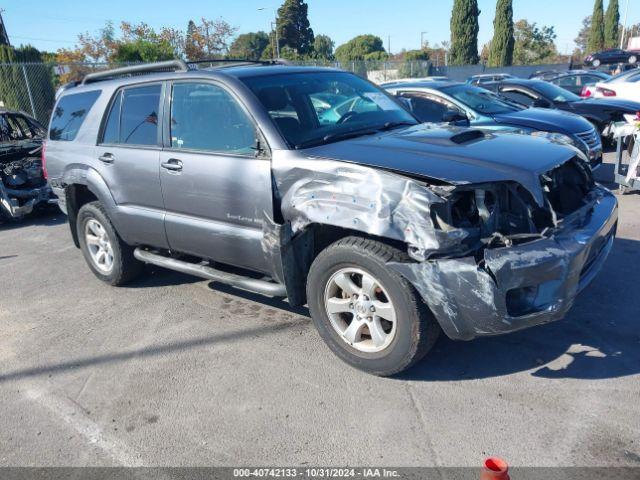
x=77, y=174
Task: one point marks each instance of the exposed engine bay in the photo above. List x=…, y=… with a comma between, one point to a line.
x=23, y=185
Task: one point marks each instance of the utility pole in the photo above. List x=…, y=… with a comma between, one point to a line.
x=4, y=38
x=389, y=44
x=274, y=27
x=624, y=25
x=422, y=34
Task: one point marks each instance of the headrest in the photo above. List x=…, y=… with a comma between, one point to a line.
x=273, y=98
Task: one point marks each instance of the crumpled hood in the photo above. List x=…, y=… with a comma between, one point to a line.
x=546, y=120
x=431, y=152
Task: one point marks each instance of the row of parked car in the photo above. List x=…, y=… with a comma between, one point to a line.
x=585, y=83
x=394, y=213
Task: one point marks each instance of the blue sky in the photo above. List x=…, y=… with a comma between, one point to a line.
x=50, y=25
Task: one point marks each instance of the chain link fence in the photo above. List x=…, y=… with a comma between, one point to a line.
x=31, y=87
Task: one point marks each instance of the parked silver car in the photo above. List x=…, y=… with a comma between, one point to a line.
x=389, y=230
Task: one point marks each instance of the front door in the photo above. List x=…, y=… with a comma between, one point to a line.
x=127, y=158
x=216, y=189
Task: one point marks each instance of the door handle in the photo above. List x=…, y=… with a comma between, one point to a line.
x=173, y=165
x=107, y=158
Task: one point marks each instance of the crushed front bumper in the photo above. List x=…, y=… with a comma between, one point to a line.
x=520, y=286
x=17, y=203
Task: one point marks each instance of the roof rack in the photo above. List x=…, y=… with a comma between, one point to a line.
x=235, y=62
x=169, y=65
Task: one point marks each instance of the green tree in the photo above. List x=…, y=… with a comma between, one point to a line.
x=464, y=32
x=582, y=40
x=415, y=64
x=358, y=48
x=532, y=44
x=191, y=49
x=611, y=22
x=596, y=35
x=294, y=30
x=249, y=45
x=143, y=51
x=323, y=47
x=501, y=49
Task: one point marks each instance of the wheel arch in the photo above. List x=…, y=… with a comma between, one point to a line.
x=81, y=186
x=305, y=247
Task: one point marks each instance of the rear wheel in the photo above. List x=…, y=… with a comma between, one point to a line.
x=633, y=59
x=368, y=315
x=108, y=257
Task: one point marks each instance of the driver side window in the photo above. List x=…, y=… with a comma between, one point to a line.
x=518, y=96
x=428, y=109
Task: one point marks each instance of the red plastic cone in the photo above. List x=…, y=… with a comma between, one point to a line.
x=494, y=468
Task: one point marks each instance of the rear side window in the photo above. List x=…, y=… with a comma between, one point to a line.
x=69, y=114
x=133, y=118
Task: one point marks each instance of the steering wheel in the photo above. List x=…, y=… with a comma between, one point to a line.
x=346, y=117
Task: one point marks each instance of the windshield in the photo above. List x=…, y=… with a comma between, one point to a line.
x=481, y=100
x=555, y=93
x=320, y=107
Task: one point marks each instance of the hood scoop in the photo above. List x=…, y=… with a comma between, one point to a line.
x=467, y=136
x=448, y=138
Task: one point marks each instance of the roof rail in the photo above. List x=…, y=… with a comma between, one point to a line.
x=234, y=62
x=174, y=65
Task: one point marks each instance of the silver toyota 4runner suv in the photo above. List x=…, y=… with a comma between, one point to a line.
x=315, y=185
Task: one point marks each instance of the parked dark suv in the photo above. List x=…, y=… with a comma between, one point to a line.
x=259, y=177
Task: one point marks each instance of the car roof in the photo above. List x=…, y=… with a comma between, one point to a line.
x=582, y=72
x=497, y=74
x=238, y=72
x=433, y=84
x=519, y=81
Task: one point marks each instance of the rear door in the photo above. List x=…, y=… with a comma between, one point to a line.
x=216, y=187
x=127, y=158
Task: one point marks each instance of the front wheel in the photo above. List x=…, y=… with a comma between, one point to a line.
x=596, y=63
x=633, y=59
x=368, y=315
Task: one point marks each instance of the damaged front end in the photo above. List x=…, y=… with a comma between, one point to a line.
x=488, y=258
x=22, y=180
x=532, y=260
x=22, y=183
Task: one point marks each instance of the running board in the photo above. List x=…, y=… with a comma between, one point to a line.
x=245, y=283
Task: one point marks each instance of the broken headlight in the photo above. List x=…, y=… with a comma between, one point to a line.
x=502, y=213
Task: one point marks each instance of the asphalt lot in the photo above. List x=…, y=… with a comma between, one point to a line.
x=177, y=371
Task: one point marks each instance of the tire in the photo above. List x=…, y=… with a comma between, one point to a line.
x=123, y=267
x=633, y=59
x=596, y=63
x=407, y=339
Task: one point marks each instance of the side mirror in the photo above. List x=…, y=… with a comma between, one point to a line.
x=455, y=117
x=406, y=103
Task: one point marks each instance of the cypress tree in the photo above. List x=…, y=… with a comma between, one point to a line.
x=464, y=32
x=596, y=35
x=294, y=30
x=611, y=21
x=501, y=51
x=191, y=50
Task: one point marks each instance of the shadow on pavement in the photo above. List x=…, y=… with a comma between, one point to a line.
x=600, y=338
x=47, y=217
x=150, y=351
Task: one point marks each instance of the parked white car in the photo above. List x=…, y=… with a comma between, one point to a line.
x=625, y=86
